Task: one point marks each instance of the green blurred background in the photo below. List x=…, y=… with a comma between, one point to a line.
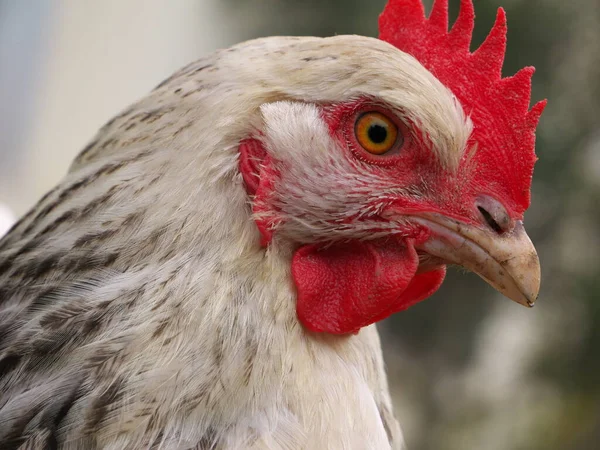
x=468, y=369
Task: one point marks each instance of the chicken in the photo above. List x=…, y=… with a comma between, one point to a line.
x=209, y=272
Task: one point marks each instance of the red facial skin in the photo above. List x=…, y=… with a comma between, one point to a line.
x=414, y=164
x=343, y=287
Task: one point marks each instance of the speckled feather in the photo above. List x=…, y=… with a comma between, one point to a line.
x=137, y=309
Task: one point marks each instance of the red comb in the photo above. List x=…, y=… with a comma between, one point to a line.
x=504, y=127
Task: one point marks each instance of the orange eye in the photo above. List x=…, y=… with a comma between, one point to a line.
x=376, y=133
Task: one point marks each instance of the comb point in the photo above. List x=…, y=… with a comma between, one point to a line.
x=462, y=30
x=439, y=15
x=534, y=114
x=516, y=90
x=491, y=52
x=400, y=13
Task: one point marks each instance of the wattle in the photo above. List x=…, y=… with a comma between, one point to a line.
x=344, y=287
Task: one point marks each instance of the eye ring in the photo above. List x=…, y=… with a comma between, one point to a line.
x=376, y=133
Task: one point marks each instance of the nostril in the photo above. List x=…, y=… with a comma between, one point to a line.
x=494, y=214
x=490, y=220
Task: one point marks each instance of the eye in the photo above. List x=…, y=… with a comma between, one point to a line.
x=376, y=133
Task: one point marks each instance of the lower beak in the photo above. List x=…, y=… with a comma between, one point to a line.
x=507, y=261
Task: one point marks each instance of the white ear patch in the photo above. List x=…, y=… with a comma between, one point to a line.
x=295, y=133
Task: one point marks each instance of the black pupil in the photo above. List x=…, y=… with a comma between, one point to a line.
x=377, y=133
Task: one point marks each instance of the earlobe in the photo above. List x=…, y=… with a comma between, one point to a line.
x=259, y=175
x=252, y=156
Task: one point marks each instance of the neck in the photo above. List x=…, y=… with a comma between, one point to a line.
x=233, y=352
x=228, y=346
x=327, y=391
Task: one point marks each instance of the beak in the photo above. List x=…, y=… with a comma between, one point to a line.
x=507, y=261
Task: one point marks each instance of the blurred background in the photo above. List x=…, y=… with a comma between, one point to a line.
x=468, y=369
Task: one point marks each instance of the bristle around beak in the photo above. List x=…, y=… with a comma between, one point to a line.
x=508, y=261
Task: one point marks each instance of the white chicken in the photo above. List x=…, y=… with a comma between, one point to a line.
x=209, y=272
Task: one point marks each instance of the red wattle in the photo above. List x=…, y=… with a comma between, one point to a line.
x=344, y=287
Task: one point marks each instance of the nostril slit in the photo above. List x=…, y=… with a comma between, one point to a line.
x=490, y=220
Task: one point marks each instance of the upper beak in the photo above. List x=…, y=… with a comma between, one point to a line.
x=507, y=261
